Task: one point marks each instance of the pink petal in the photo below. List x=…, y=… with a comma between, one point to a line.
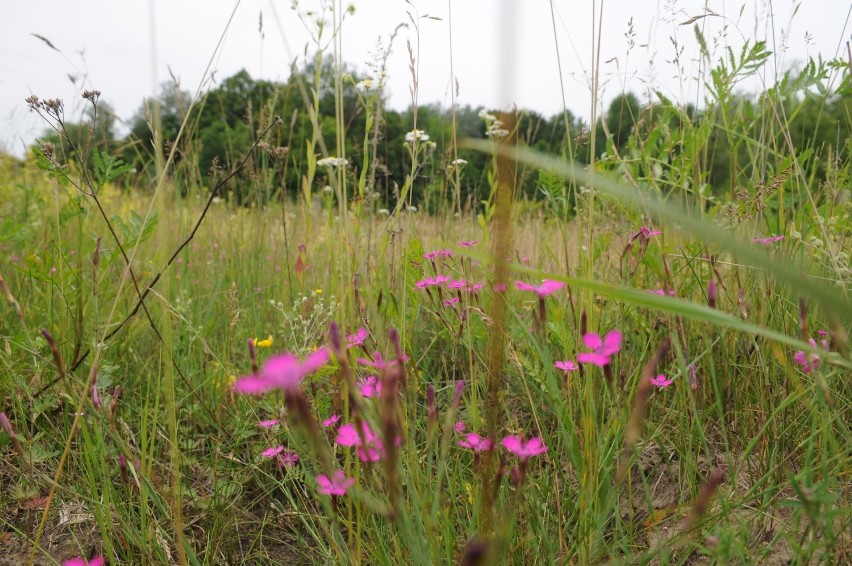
x=268, y=423
x=548, y=287
x=566, y=365
x=592, y=340
x=612, y=342
x=272, y=451
x=524, y=286
x=252, y=385
x=513, y=444
x=593, y=358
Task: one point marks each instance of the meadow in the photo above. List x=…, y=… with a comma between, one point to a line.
x=631, y=365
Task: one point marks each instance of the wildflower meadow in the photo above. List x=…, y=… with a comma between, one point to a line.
x=351, y=335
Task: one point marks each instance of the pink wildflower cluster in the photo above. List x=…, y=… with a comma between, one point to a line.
x=437, y=254
x=337, y=484
x=546, y=288
x=369, y=444
x=602, y=349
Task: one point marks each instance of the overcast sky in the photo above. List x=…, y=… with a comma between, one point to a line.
x=120, y=49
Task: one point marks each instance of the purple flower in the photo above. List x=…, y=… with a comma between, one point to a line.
x=459, y=427
x=524, y=449
x=338, y=484
x=80, y=561
x=661, y=382
x=370, y=386
x=546, y=288
x=602, y=349
x=645, y=232
x=475, y=442
x=284, y=371
x=268, y=423
x=566, y=366
x=356, y=339
x=457, y=284
x=288, y=459
x=451, y=301
x=370, y=449
x=809, y=362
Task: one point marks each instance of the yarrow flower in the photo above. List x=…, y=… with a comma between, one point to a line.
x=370, y=386
x=357, y=339
x=337, y=484
x=767, y=240
x=661, y=382
x=416, y=135
x=330, y=421
x=475, y=442
x=283, y=371
x=333, y=162
x=546, y=288
x=602, y=348
x=524, y=449
x=566, y=366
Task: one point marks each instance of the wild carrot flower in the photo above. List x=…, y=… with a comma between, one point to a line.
x=80, y=561
x=524, y=449
x=459, y=427
x=546, y=288
x=475, y=442
x=602, y=348
x=267, y=343
x=268, y=423
x=661, y=382
x=272, y=451
x=331, y=421
x=767, y=241
x=566, y=366
x=357, y=339
x=284, y=371
x=370, y=386
x=288, y=459
x=338, y=484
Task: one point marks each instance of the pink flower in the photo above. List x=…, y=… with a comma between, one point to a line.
x=284, y=371
x=438, y=253
x=338, y=484
x=356, y=339
x=332, y=420
x=370, y=449
x=370, y=386
x=662, y=292
x=524, y=450
x=546, y=288
x=459, y=427
x=267, y=423
x=646, y=232
x=661, y=382
x=602, y=349
x=499, y=287
x=423, y=283
x=467, y=243
x=457, y=284
x=451, y=301
x=809, y=362
x=477, y=286
x=475, y=442
x=766, y=241
x=272, y=451
x=379, y=362
x=80, y=561
x=288, y=459
x=566, y=366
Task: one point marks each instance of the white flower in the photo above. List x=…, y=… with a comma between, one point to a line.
x=486, y=116
x=327, y=189
x=384, y=211
x=457, y=162
x=365, y=84
x=416, y=135
x=333, y=162
x=412, y=209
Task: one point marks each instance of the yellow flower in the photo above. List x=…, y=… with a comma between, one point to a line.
x=263, y=343
x=318, y=291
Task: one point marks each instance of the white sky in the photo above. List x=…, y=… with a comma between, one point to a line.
x=110, y=43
